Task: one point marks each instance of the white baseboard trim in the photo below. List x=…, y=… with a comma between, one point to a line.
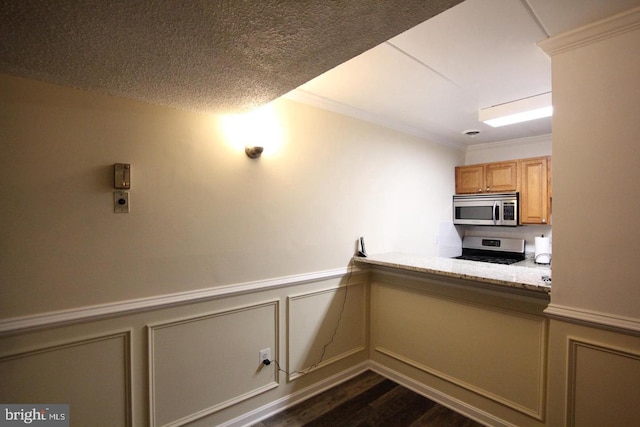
x=594, y=319
x=83, y=314
x=439, y=397
x=293, y=399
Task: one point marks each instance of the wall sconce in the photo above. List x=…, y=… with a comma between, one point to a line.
x=522, y=110
x=253, y=151
x=262, y=124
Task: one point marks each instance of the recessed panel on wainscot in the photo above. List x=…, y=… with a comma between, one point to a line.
x=325, y=326
x=92, y=376
x=201, y=365
x=496, y=352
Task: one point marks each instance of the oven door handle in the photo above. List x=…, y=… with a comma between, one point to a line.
x=495, y=213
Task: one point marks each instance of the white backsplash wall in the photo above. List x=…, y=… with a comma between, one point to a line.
x=449, y=240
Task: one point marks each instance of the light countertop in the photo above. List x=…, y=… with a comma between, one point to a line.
x=522, y=275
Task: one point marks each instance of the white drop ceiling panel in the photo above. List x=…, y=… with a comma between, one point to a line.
x=477, y=41
x=383, y=81
x=432, y=79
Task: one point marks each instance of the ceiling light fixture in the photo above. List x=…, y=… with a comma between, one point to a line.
x=522, y=110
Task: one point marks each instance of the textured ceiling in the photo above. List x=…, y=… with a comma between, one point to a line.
x=214, y=56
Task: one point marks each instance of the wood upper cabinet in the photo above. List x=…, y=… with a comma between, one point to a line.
x=469, y=179
x=535, y=190
x=530, y=177
x=487, y=178
x=501, y=177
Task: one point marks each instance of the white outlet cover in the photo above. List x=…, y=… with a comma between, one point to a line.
x=265, y=354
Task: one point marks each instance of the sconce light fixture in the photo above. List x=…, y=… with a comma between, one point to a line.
x=253, y=151
x=258, y=131
x=522, y=110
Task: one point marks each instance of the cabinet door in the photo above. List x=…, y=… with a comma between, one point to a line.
x=534, y=191
x=501, y=177
x=470, y=179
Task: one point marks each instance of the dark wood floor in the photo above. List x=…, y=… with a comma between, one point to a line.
x=368, y=400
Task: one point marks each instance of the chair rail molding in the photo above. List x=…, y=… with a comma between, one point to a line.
x=99, y=311
x=594, y=319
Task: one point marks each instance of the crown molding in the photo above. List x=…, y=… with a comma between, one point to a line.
x=591, y=33
x=308, y=98
x=510, y=143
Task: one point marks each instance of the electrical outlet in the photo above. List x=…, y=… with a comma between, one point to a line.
x=265, y=354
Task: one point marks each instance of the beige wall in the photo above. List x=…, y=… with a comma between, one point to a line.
x=202, y=213
x=164, y=309
x=596, y=93
x=594, y=348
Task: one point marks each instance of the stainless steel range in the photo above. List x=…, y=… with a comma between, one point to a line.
x=492, y=249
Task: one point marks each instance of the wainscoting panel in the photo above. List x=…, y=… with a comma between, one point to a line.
x=188, y=358
x=594, y=375
x=493, y=351
x=314, y=338
x=92, y=375
x=201, y=365
x=603, y=386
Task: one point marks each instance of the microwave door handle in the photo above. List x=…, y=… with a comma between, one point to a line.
x=495, y=212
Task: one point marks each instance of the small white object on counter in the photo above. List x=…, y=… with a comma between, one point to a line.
x=543, y=250
x=502, y=275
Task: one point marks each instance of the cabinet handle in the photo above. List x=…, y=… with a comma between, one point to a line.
x=488, y=188
x=544, y=220
x=479, y=190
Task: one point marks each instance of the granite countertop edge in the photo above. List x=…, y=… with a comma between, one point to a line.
x=524, y=276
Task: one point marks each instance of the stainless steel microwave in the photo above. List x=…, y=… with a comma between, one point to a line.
x=486, y=209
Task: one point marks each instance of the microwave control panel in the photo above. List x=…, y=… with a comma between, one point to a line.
x=509, y=211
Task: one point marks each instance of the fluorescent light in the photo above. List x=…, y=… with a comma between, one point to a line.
x=522, y=110
x=520, y=117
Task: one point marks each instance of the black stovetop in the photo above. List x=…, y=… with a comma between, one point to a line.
x=491, y=259
x=494, y=257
